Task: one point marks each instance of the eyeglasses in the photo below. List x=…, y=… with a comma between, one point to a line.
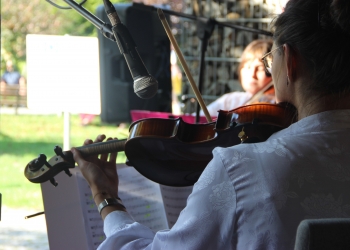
x=267, y=59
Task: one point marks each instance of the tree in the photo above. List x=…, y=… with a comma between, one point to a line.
x=19, y=18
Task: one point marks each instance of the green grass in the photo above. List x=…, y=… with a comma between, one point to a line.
x=24, y=137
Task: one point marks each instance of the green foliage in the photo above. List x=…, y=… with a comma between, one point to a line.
x=24, y=137
x=19, y=18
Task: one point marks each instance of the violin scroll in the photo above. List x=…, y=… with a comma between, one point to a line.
x=40, y=170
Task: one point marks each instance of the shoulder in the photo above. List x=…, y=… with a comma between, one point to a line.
x=235, y=155
x=252, y=158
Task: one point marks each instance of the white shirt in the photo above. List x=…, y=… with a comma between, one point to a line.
x=227, y=102
x=253, y=196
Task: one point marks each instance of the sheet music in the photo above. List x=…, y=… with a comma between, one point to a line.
x=93, y=221
x=66, y=213
x=73, y=220
x=174, y=199
x=142, y=198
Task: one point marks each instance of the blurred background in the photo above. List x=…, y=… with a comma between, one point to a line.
x=225, y=44
x=34, y=120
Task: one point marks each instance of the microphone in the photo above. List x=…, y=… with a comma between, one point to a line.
x=145, y=85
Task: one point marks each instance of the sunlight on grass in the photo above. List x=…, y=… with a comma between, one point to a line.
x=24, y=137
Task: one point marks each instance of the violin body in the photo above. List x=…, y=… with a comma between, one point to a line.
x=170, y=151
x=174, y=153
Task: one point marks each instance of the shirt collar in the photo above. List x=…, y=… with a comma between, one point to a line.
x=324, y=121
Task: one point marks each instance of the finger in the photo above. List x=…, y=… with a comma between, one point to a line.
x=86, y=167
x=100, y=138
x=104, y=157
x=113, y=155
x=88, y=141
x=93, y=156
x=77, y=157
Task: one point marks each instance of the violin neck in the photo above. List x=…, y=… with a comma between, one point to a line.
x=102, y=147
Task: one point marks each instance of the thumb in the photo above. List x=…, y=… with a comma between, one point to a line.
x=77, y=156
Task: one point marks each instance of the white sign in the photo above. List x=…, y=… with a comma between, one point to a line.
x=63, y=74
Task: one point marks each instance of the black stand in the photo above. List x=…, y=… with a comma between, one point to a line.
x=204, y=31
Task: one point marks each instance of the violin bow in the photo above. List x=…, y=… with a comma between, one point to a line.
x=257, y=95
x=183, y=64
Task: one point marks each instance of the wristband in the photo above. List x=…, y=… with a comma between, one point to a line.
x=110, y=202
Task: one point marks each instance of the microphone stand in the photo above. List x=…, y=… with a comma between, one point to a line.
x=105, y=28
x=205, y=27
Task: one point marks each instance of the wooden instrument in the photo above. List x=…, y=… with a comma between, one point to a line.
x=170, y=151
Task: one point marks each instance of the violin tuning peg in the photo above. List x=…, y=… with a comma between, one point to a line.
x=68, y=172
x=41, y=159
x=59, y=152
x=37, y=163
x=53, y=182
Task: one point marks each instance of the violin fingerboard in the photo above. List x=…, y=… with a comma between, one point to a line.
x=103, y=147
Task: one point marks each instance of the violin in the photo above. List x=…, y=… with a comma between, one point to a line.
x=170, y=151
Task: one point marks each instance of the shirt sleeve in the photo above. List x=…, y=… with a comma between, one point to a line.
x=205, y=223
x=227, y=102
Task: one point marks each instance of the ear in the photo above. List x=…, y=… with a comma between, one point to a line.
x=291, y=62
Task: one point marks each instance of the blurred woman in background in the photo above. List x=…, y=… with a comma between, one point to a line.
x=251, y=75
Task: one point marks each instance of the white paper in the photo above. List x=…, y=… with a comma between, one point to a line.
x=66, y=222
x=142, y=198
x=63, y=74
x=93, y=222
x=73, y=220
x=174, y=200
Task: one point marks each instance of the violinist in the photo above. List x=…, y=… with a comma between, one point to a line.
x=252, y=77
x=254, y=195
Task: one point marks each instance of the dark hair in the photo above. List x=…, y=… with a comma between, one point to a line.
x=319, y=32
x=255, y=50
